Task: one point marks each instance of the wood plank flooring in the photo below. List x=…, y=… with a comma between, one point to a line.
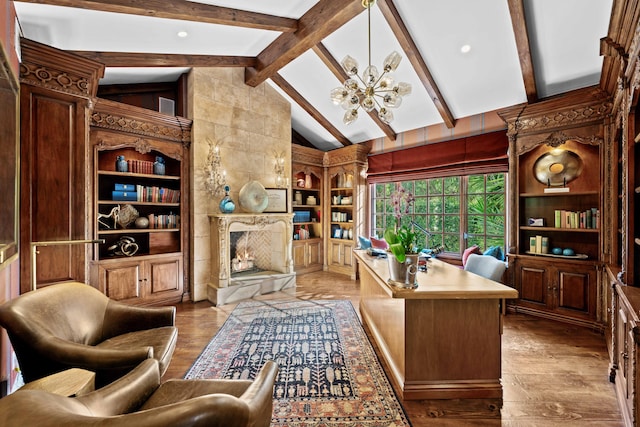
x=552, y=373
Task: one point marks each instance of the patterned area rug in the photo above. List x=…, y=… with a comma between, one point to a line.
x=329, y=373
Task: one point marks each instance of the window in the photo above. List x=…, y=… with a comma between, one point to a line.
x=458, y=211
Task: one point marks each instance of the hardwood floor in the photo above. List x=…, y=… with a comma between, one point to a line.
x=552, y=373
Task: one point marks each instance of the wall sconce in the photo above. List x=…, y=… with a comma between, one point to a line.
x=281, y=181
x=214, y=176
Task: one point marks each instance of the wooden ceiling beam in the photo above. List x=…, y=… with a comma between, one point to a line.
x=519, y=23
x=182, y=10
x=302, y=102
x=391, y=14
x=130, y=59
x=321, y=20
x=335, y=67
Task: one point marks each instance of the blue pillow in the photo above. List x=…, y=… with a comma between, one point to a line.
x=364, y=242
x=496, y=252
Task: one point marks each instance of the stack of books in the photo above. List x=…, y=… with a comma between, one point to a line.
x=589, y=218
x=141, y=193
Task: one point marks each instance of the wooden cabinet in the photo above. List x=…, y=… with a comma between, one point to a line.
x=345, y=205
x=143, y=280
x=566, y=289
x=307, y=256
x=308, y=196
x=141, y=208
x=57, y=91
x=556, y=172
x=625, y=354
x=336, y=180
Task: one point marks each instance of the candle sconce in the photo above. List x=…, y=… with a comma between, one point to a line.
x=214, y=176
x=281, y=181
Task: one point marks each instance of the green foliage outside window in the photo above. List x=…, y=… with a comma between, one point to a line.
x=459, y=211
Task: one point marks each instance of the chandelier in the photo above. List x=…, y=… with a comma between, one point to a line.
x=372, y=91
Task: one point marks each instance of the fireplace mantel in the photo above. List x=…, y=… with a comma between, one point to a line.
x=276, y=232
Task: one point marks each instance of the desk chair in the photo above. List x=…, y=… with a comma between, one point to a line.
x=485, y=266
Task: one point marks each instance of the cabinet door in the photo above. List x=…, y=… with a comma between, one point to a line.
x=299, y=255
x=164, y=277
x=121, y=281
x=576, y=290
x=347, y=255
x=335, y=253
x=315, y=253
x=534, y=284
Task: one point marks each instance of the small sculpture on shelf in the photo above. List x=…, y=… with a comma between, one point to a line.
x=159, y=166
x=126, y=246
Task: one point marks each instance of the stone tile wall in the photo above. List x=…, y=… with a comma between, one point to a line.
x=252, y=124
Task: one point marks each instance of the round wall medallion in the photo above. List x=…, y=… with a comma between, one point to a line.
x=557, y=167
x=253, y=197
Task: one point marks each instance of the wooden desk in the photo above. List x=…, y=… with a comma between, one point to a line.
x=441, y=340
x=71, y=382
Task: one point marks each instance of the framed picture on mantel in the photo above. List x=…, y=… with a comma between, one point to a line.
x=278, y=202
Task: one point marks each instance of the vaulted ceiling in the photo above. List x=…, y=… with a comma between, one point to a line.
x=517, y=50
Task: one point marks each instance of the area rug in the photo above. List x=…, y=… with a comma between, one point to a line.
x=329, y=374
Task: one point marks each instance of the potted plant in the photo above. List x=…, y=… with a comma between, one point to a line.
x=403, y=242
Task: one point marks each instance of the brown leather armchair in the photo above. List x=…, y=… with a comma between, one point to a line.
x=138, y=399
x=73, y=325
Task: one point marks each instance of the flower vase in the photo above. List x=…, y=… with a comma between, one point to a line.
x=121, y=164
x=227, y=205
x=403, y=274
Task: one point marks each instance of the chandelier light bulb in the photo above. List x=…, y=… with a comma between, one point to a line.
x=392, y=61
x=349, y=65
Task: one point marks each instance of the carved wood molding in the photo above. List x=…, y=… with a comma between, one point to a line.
x=357, y=153
x=57, y=70
x=125, y=124
x=572, y=116
x=140, y=121
x=141, y=145
x=557, y=138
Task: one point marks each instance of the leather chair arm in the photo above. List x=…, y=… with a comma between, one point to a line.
x=125, y=394
x=91, y=357
x=213, y=410
x=121, y=318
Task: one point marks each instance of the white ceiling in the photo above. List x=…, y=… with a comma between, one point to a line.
x=563, y=35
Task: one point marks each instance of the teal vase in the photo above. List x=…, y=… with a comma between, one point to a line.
x=227, y=205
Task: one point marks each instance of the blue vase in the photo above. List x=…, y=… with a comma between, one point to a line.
x=227, y=205
x=158, y=166
x=121, y=164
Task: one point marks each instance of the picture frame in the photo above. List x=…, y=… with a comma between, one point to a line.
x=278, y=200
x=337, y=233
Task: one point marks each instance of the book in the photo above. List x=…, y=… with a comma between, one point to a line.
x=557, y=220
x=538, y=244
x=532, y=244
x=128, y=196
x=545, y=245
x=124, y=187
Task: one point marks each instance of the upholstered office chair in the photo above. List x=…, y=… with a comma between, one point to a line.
x=73, y=325
x=485, y=266
x=138, y=399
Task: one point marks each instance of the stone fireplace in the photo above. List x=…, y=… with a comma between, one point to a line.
x=254, y=256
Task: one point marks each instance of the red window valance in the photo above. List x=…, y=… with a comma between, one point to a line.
x=486, y=153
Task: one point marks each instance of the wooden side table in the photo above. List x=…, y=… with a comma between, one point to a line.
x=71, y=382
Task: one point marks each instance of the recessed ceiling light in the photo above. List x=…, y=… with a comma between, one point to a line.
x=182, y=34
x=465, y=48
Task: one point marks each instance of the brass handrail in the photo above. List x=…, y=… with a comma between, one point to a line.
x=34, y=252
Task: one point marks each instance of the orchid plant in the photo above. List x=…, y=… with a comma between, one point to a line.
x=401, y=239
